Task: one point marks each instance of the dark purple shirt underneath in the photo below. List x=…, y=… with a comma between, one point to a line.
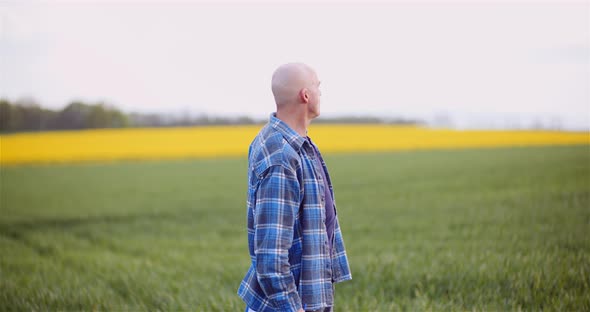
x=327, y=197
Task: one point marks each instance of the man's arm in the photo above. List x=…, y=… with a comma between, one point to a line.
x=277, y=204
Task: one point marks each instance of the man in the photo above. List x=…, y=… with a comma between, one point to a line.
x=294, y=238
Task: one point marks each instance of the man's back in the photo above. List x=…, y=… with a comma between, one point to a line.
x=292, y=265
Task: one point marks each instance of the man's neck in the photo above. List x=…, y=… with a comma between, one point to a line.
x=295, y=122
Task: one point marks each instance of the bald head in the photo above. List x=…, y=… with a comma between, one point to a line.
x=288, y=80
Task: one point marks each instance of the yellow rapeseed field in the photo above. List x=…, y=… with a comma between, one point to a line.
x=217, y=141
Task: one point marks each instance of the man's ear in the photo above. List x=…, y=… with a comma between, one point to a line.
x=304, y=95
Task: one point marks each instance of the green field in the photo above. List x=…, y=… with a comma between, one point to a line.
x=487, y=229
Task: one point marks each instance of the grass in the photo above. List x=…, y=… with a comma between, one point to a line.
x=483, y=229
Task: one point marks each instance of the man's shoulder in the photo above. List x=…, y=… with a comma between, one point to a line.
x=270, y=148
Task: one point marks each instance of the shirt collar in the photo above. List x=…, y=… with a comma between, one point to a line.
x=289, y=134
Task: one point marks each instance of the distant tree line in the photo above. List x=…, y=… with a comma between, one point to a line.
x=27, y=115
x=366, y=120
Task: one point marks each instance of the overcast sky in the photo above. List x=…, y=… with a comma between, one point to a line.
x=481, y=64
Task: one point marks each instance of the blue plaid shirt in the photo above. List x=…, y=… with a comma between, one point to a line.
x=292, y=267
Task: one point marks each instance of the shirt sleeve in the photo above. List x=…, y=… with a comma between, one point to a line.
x=277, y=204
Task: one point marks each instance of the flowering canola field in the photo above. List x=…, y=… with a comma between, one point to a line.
x=220, y=141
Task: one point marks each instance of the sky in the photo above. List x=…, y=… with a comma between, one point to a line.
x=468, y=64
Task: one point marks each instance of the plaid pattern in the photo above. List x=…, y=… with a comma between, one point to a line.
x=292, y=267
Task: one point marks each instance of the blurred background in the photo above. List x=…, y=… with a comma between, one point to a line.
x=457, y=134
x=476, y=64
